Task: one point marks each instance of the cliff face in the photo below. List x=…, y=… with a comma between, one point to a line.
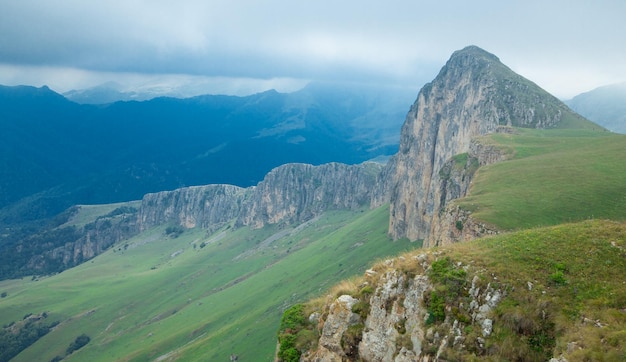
x=473, y=95
x=289, y=194
x=413, y=308
x=79, y=244
x=209, y=206
x=298, y=192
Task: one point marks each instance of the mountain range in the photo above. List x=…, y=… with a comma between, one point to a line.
x=205, y=272
x=57, y=153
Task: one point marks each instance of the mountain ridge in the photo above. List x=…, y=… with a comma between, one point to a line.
x=120, y=151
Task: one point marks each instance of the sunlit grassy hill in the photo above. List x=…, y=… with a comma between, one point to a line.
x=561, y=293
x=552, y=177
x=197, y=296
x=559, y=262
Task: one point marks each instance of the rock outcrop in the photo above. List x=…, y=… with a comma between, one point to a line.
x=292, y=193
x=407, y=319
x=208, y=207
x=473, y=95
x=296, y=193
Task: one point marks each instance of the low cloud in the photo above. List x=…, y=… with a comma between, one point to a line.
x=400, y=42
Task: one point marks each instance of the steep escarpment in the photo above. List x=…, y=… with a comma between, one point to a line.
x=298, y=192
x=67, y=244
x=289, y=194
x=208, y=207
x=473, y=95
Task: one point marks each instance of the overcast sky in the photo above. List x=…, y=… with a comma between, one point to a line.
x=239, y=46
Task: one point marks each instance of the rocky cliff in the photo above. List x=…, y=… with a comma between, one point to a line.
x=419, y=307
x=298, y=192
x=289, y=194
x=473, y=95
x=208, y=207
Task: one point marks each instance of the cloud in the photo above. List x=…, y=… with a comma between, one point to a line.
x=397, y=41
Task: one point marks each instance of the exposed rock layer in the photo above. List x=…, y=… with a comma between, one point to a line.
x=289, y=194
x=398, y=325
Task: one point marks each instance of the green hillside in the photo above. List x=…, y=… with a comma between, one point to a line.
x=564, y=293
x=553, y=177
x=197, y=296
x=559, y=199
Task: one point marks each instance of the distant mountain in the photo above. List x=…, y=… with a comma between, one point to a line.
x=55, y=153
x=109, y=92
x=605, y=105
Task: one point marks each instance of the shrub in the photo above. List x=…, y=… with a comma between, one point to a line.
x=292, y=322
x=288, y=351
x=78, y=343
x=361, y=308
x=436, y=307
x=293, y=319
x=174, y=231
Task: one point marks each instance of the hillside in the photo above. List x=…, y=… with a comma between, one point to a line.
x=529, y=296
x=195, y=296
x=604, y=105
x=550, y=177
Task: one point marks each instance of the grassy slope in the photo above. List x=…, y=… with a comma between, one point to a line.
x=554, y=176
x=162, y=296
x=89, y=213
x=577, y=294
x=577, y=272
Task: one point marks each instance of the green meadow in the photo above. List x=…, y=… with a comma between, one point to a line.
x=197, y=296
x=552, y=177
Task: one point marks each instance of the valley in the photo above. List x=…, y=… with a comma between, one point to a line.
x=196, y=296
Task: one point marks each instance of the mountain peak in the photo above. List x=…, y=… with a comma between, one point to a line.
x=474, y=94
x=473, y=51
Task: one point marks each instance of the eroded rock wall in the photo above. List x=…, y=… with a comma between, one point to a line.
x=473, y=95
x=291, y=193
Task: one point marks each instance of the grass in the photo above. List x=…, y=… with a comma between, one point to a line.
x=563, y=285
x=576, y=272
x=159, y=297
x=553, y=177
x=88, y=213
